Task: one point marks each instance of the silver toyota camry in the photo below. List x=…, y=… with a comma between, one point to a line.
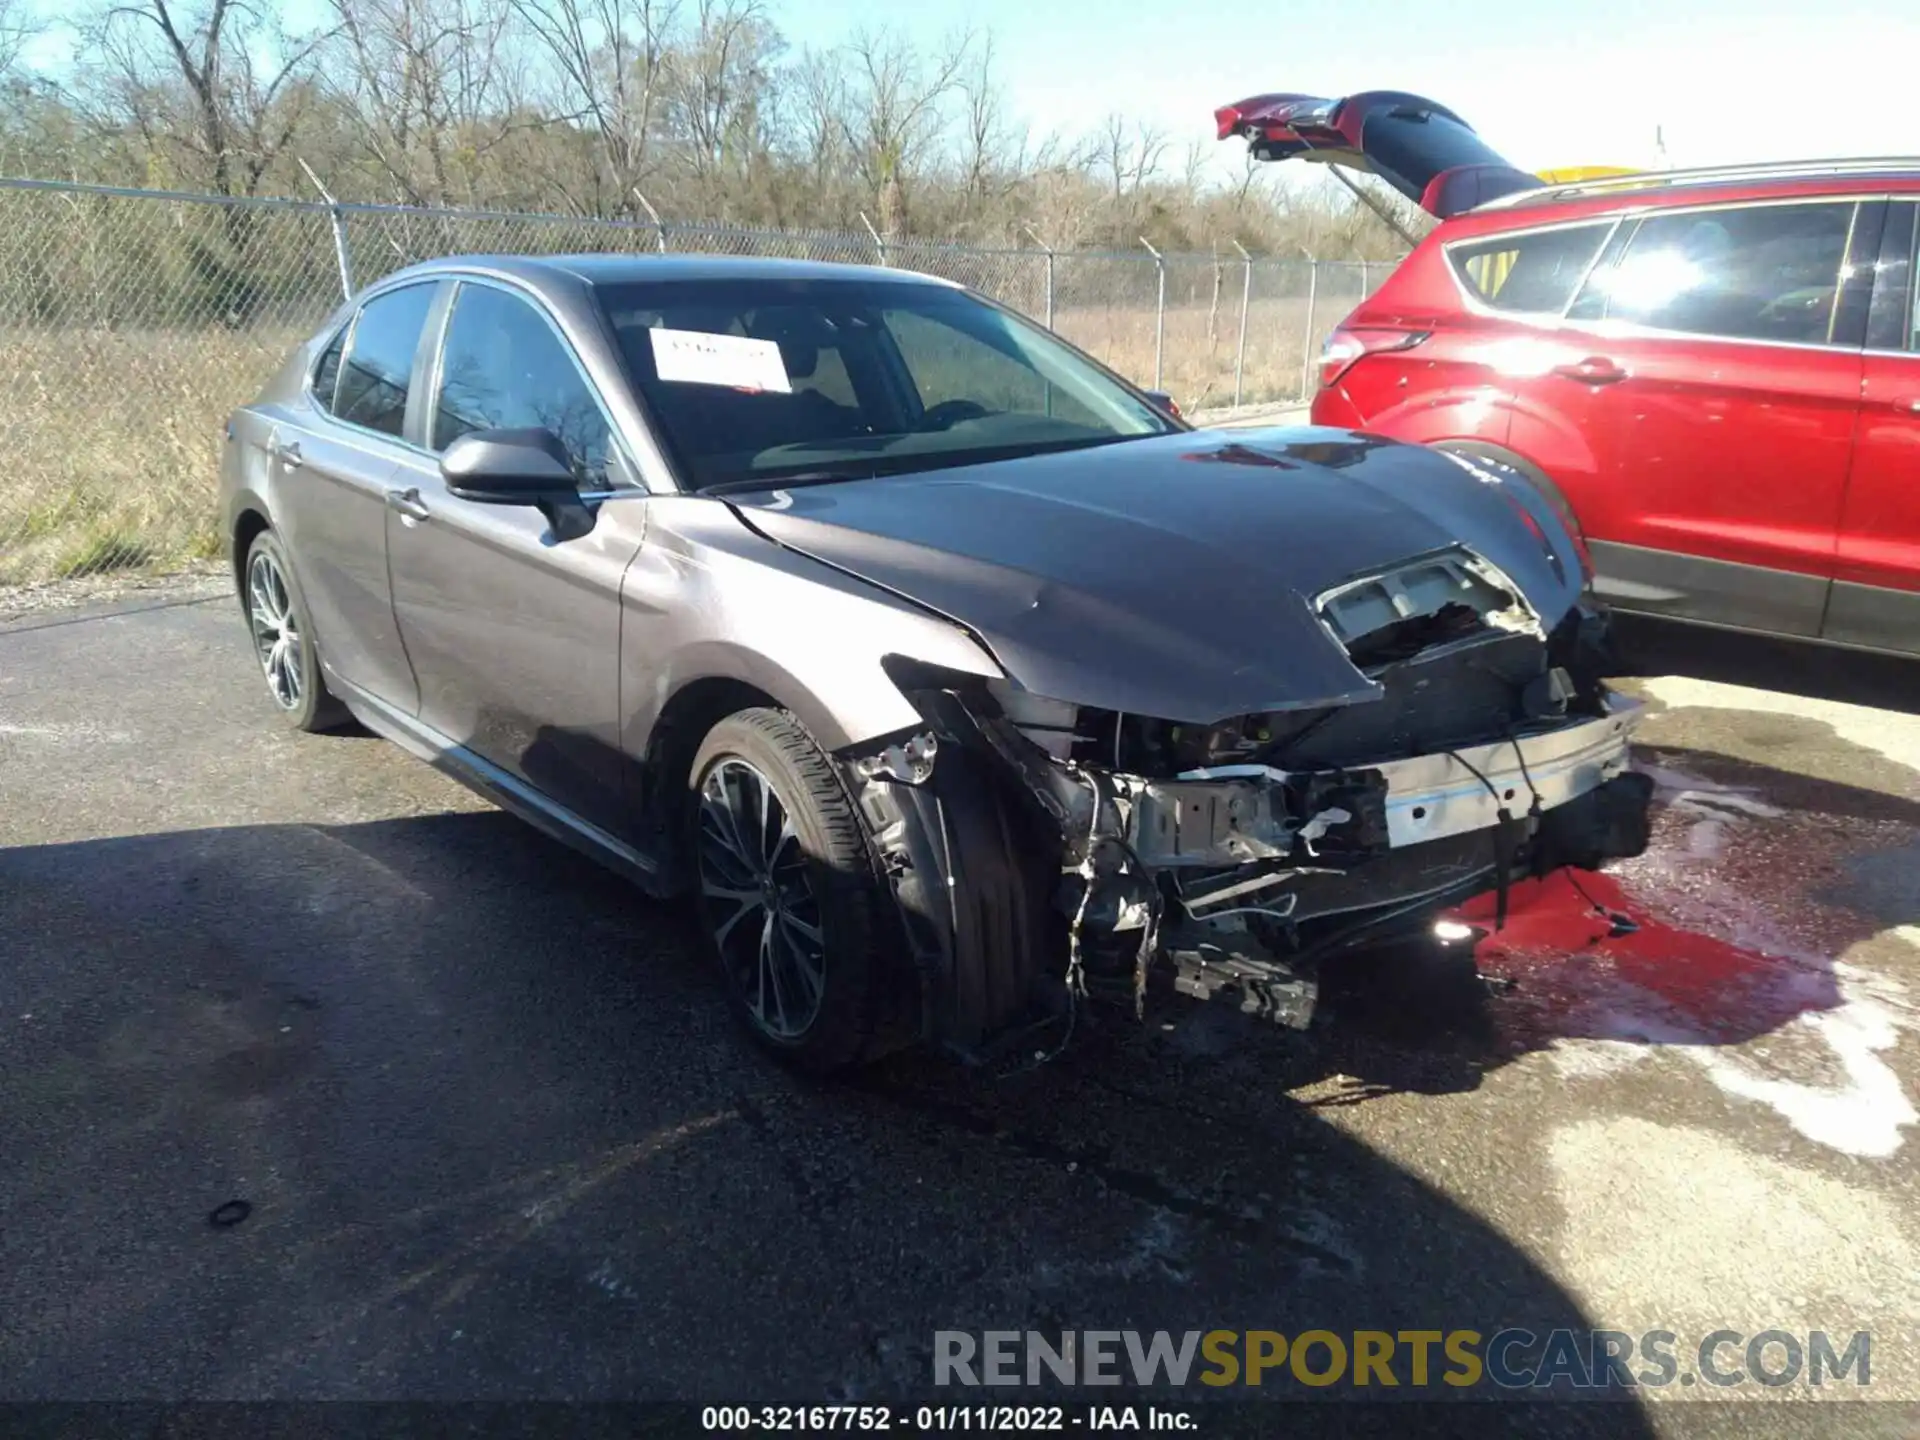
x=957, y=682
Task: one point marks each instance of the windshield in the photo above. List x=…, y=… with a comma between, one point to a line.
x=765, y=380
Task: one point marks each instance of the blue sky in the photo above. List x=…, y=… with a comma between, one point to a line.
x=1582, y=82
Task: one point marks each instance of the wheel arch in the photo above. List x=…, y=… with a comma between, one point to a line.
x=1513, y=460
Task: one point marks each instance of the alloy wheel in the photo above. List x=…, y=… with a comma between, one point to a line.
x=276, y=634
x=757, y=895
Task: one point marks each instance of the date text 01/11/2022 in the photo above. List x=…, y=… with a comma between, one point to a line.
x=941, y=1419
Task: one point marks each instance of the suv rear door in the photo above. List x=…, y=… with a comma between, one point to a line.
x=1876, y=592
x=1711, y=368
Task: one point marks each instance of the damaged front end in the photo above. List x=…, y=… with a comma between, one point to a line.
x=1041, y=851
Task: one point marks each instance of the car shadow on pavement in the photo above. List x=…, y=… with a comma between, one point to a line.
x=431, y=1108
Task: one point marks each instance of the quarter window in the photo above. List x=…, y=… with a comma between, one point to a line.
x=1761, y=272
x=504, y=368
x=1529, y=274
x=379, y=363
x=326, y=375
x=1890, y=315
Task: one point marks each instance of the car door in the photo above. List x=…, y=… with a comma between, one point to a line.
x=515, y=633
x=1712, y=366
x=1876, y=591
x=330, y=481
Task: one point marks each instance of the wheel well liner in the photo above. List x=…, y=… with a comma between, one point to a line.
x=247, y=527
x=972, y=895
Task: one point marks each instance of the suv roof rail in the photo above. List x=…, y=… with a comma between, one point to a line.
x=1708, y=175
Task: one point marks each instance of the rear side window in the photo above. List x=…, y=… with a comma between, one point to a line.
x=379, y=362
x=1529, y=274
x=1760, y=272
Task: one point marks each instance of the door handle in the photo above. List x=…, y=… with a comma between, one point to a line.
x=408, y=503
x=1594, y=370
x=288, y=454
x=1911, y=404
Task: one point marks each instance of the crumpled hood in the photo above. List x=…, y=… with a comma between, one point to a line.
x=1173, y=576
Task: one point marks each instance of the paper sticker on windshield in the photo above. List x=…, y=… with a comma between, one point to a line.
x=694, y=357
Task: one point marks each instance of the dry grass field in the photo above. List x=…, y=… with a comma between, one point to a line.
x=112, y=436
x=112, y=441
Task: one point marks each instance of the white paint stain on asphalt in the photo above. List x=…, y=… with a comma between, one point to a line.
x=1884, y=732
x=1728, y=1238
x=1865, y=1113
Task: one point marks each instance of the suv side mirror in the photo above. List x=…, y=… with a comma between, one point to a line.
x=518, y=467
x=1165, y=402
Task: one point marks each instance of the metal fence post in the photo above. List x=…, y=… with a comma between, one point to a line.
x=1049, y=253
x=1306, y=347
x=1365, y=280
x=1159, y=313
x=659, y=225
x=342, y=250
x=1246, y=296
x=879, y=241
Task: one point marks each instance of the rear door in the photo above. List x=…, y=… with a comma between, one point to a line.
x=1711, y=366
x=330, y=483
x=1876, y=592
x=514, y=632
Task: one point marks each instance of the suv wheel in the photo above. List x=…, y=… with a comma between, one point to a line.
x=283, y=642
x=788, y=898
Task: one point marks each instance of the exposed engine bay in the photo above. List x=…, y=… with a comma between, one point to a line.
x=1233, y=858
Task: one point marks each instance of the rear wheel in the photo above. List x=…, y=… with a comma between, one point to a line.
x=787, y=893
x=283, y=641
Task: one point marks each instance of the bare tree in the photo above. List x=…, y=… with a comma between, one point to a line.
x=1129, y=156
x=18, y=29
x=609, y=60
x=217, y=82
x=428, y=89
x=896, y=98
x=718, y=82
x=985, y=158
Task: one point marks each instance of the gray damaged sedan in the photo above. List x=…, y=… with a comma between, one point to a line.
x=956, y=681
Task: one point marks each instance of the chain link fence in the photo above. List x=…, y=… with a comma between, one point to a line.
x=132, y=322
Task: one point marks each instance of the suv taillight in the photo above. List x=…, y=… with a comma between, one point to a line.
x=1345, y=346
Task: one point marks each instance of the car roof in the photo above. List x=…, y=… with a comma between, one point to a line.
x=1707, y=186
x=621, y=269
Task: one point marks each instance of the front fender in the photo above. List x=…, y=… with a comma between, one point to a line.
x=707, y=599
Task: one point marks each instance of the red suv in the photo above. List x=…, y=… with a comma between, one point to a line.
x=1716, y=372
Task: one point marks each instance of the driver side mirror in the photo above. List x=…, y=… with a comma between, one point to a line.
x=518, y=467
x=1165, y=402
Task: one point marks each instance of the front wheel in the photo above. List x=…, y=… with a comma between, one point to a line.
x=787, y=893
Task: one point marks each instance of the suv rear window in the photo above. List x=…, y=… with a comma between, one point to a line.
x=1529, y=274
x=1754, y=272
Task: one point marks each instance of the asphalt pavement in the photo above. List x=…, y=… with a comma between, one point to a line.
x=493, y=1136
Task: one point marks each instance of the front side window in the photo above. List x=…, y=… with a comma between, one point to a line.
x=762, y=380
x=503, y=368
x=1760, y=272
x=1529, y=274
x=379, y=363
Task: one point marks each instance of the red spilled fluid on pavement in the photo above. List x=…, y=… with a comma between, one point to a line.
x=1561, y=952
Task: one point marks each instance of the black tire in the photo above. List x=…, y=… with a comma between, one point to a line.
x=828, y=852
x=293, y=676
